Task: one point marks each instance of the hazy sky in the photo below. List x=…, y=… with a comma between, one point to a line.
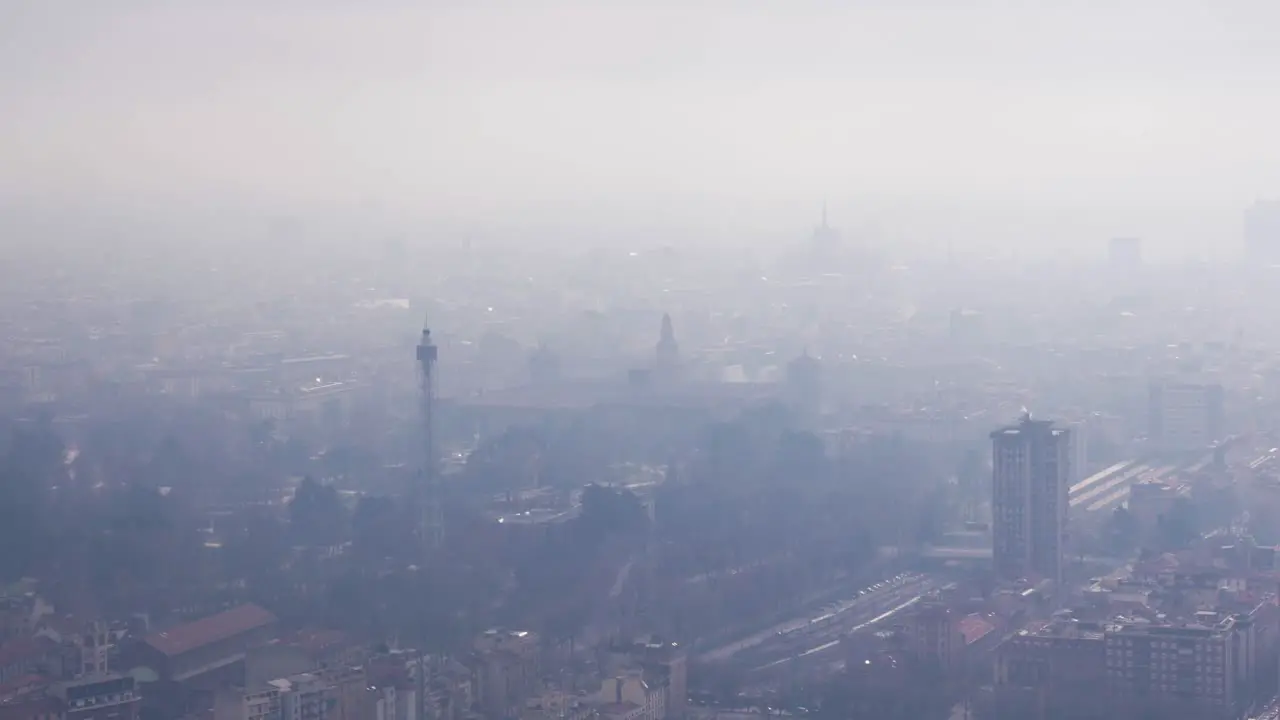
x=978, y=121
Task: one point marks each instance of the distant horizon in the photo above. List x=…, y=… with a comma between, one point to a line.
x=971, y=124
x=367, y=222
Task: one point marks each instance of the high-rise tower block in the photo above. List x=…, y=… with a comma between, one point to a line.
x=1031, y=475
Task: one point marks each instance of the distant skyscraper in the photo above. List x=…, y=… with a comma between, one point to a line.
x=826, y=239
x=1031, y=474
x=1262, y=231
x=667, y=351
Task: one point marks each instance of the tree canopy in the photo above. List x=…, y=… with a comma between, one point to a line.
x=317, y=515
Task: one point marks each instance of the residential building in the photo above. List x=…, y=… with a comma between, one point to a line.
x=261, y=704
x=629, y=695
x=1125, y=668
x=1079, y=451
x=350, y=685
x=558, y=705
x=507, y=670
x=1052, y=669
x=1031, y=471
x=1185, y=416
x=1186, y=671
x=933, y=636
x=449, y=690
x=380, y=703
x=110, y=697
x=1150, y=501
x=95, y=644
x=664, y=665
x=304, y=697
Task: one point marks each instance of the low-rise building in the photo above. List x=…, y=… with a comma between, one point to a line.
x=664, y=665
x=208, y=644
x=558, y=705
x=99, y=697
x=304, y=697
x=630, y=696
x=1050, y=669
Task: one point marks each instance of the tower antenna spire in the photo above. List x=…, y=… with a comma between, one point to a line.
x=427, y=492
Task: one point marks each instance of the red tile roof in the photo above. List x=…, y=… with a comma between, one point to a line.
x=184, y=638
x=974, y=628
x=25, y=649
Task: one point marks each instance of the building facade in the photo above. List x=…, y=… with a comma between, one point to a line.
x=1031, y=475
x=508, y=670
x=1052, y=670
x=111, y=697
x=1174, y=668
x=1185, y=416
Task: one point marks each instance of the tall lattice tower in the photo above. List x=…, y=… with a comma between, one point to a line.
x=431, y=522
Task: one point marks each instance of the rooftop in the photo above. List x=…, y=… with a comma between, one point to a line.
x=1064, y=628
x=974, y=627
x=214, y=628
x=24, y=649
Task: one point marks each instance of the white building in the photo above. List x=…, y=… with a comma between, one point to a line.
x=303, y=697
x=298, y=697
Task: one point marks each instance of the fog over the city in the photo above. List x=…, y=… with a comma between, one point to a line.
x=649, y=360
x=978, y=123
